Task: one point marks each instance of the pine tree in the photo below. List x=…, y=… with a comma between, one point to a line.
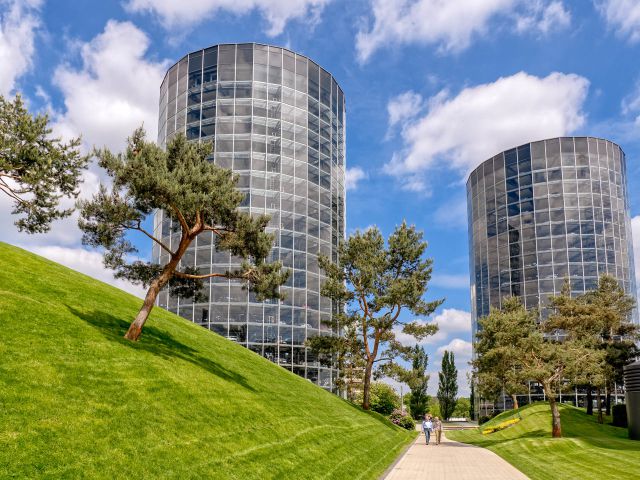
x=36, y=170
x=448, y=385
x=376, y=283
x=199, y=196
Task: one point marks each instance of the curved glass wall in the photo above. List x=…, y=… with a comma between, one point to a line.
x=545, y=211
x=278, y=120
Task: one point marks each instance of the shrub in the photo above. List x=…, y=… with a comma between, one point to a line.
x=402, y=420
x=619, y=415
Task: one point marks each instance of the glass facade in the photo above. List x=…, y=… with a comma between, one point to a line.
x=278, y=120
x=543, y=212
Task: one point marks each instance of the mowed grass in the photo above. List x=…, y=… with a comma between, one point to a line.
x=587, y=450
x=79, y=401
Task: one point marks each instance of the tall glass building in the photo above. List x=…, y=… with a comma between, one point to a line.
x=545, y=211
x=278, y=120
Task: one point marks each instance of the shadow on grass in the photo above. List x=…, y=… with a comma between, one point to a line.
x=158, y=342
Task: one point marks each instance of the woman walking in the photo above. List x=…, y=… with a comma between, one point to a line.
x=437, y=429
x=427, y=425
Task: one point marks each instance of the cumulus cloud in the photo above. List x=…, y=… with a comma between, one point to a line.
x=461, y=131
x=450, y=26
x=175, y=13
x=449, y=321
x=622, y=16
x=461, y=348
x=353, y=176
x=543, y=18
x=404, y=107
x=115, y=90
x=19, y=22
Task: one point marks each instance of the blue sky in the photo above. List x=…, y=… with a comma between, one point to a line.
x=433, y=87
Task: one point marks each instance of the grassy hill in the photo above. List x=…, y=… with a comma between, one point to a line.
x=587, y=449
x=77, y=400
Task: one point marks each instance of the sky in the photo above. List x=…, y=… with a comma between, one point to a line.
x=433, y=88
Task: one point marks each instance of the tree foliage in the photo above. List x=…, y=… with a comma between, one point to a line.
x=448, y=385
x=199, y=196
x=36, y=170
x=418, y=382
x=498, y=361
x=376, y=283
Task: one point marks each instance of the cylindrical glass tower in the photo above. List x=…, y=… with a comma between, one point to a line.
x=545, y=211
x=278, y=120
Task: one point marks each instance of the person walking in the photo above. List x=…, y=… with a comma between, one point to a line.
x=427, y=425
x=437, y=429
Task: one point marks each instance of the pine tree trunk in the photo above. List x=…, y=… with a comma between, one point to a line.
x=599, y=405
x=135, y=329
x=366, y=386
x=556, y=427
x=514, y=399
x=607, y=400
x=589, y=401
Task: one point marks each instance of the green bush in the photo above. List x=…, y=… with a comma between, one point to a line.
x=619, y=415
x=384, y=398
x=402, y=420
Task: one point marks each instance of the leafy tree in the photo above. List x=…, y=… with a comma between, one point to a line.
x=384, y=398
x=463, y=407
x=36, y=171
x=448, y=385
x=433, y=407
x=200, y=197
x=377, y=283
x=418, y=381
x=498, y=362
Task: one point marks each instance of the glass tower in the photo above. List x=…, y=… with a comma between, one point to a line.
x=543, y=212
x=278, y=120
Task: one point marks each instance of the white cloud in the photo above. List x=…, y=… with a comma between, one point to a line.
x=115, y=91
x=449, y=321
x=543, y=18
x=622, y=16
x=353, y=176
x=459, y=132
x=452, y=213
x=19, y=22
x=87, y=262
x=175, y=13
x=461, y=348
x=449, y=25
x=404, y=107
x=445, y=280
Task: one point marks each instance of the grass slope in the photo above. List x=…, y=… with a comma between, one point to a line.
x=587, y=449
x=77, y=400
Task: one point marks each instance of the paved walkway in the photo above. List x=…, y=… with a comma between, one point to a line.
x=451, y=461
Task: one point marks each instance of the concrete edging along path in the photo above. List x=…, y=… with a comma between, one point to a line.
x=451, y=460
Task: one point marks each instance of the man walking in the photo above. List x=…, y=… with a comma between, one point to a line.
x=437, y=429
x=427, y=425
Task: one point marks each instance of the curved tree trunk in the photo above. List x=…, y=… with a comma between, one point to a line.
x=135, y=329
x=514, y=399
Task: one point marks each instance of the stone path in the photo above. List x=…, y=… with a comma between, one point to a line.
x=451, y=461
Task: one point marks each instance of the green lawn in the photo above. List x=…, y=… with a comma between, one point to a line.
x=77, y=400
x=587, y=449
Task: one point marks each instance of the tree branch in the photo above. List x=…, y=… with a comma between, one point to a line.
x=140, y=229
x=198, y=277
